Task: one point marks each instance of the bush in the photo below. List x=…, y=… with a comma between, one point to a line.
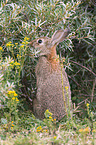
x=22, y=21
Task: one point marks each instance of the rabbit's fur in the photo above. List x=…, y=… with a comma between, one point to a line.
x=48, y=73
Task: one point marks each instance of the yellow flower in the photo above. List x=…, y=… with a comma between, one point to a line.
x=39, y=129
x=23, y=42
x=22, y=46
x=50, y=117
x=53, y=119
x=10, y=92
x=18, y=55
x=66, y=87
x=13, y=98
x=55, y=137
x=15, y=94
x=12, y=124
x=63, y=59
x=1, y=48
x=47, y=111
x=11, y=127
x=9, y=44
x=16, y=63
x=26, y=39
x=87, y=129
x=16, y=43
x=12, y=62
x=17, y=100
x=87, y=104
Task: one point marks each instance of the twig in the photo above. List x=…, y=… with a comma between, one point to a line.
x=78, y=105
x=74, y=81
x=84, y=67
x=94, y=84
x=82, y=102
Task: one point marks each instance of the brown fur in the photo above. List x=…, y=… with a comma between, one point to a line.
x=53, y=58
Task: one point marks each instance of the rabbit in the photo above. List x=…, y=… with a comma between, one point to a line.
x=48, y=74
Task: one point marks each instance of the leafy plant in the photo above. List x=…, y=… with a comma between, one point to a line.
x=22, y=21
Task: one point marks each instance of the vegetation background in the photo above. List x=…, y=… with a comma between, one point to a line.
x=22, y=21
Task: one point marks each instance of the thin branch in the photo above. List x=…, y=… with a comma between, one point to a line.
x=78, y=85
x=78, y=105
x=94, y=84
x=82, y=101
x=74, y=81
x=84, y=67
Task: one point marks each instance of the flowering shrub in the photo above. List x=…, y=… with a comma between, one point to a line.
x=11, y=68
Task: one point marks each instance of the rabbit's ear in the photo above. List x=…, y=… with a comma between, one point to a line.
x=59, y=36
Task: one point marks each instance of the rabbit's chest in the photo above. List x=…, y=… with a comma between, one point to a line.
x=45, y=68
x=42, y=69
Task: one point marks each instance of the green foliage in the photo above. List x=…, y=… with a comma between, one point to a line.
x=22, y=21
x=36, y=18
x=48, y=131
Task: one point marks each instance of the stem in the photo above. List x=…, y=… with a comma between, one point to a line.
x=93, y=89
x=63, y=90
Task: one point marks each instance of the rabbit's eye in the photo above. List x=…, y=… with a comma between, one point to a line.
x=39, y=41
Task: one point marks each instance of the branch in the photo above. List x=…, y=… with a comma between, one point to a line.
x=92, y=95
x=84, y=67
